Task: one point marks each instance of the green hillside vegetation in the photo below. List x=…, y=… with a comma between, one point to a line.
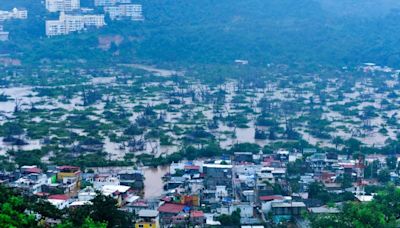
x=186, y=32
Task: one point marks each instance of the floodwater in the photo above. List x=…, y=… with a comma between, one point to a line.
x=156, y=71
x=153, y=183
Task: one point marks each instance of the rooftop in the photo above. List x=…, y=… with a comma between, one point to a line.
x=110, y=189
x=288, y=204
x=148, y=213
x=270, y=198
x=58, y=197
x=218, y=166
x=171, y=208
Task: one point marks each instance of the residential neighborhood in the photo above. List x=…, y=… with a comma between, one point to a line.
x=264, y=189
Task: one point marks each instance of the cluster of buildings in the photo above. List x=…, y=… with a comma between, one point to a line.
x=74, y=18
x=259, y=185
x=71, y=18
x=197, y=193
x=18, y=14
x=69, y=186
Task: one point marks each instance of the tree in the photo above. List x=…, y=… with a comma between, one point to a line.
x=246, y=147
x=346, y=180
x=104, y=209
x=391, y=162
x=384, y=176
x=232, y=220
x=317, y=191
x=296, y=168
x=337, y=141
x=353, y=145
x=12, y=214
x=371, y=170
x=88, y=223
x=380, y=212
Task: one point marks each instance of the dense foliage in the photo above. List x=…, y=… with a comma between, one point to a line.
x=382, y=211
x=310, y=32
x=17, y=210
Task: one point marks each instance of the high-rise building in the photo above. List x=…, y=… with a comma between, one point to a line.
x=71, y=23
x=62, y=5
x=55, y=28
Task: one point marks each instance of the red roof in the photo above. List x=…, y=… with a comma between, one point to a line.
x=33, y=170
x=193, y=167
x=42, y=194
x=196, y=214
x=171, y=208
x=59, y=197
x=269, y=198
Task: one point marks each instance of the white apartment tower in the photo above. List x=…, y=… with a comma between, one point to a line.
x=72, y=23
x=62, y=5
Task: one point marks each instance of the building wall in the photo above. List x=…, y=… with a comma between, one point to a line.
x=217, y=176
x=146, y=225
x=62, y=5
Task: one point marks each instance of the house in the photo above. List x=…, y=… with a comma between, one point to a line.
x=317, y=161
x=168, y=211
x=134, y=179
x=118, y=192
x=87, y=194
x=100, y=180
x=217, y=175
x=240, y=157
x=70, y=178
x=197, y=218
x=147, y=219
x=136, y=206
x=266, y=202
x=59, y=201
x=283, y=211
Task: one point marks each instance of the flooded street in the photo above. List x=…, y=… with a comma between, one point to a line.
x=153, y=184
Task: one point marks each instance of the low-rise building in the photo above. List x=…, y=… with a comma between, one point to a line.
x=147, y=219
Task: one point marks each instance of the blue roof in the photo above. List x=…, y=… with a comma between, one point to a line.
x=186, y=209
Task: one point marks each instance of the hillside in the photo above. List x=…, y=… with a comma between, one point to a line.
x=320, y=32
